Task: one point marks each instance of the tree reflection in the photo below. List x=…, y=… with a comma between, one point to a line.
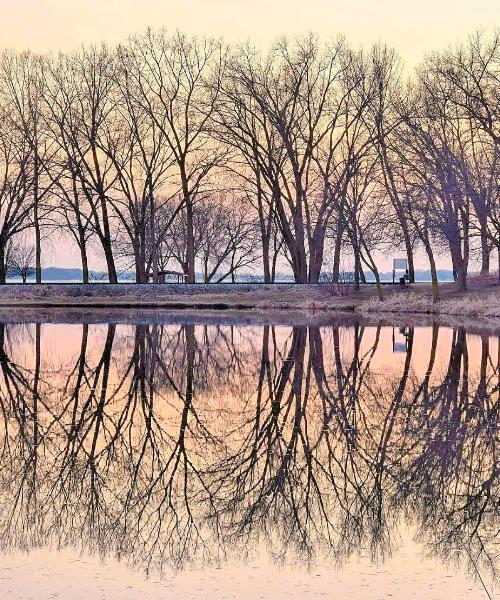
x=170, y=444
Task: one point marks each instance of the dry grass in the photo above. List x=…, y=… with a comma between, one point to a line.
x=483, y=299
x=467, y=306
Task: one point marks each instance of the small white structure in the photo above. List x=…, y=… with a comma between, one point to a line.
x=400, y=264
x=400, y=341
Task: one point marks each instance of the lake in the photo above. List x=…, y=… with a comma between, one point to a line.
x=175, y=458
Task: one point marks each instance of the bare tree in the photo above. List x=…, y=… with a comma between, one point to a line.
x=16, y=184
x=176, y=82
x=80, y=106
x=384, y=119
x=469, y=77
x=295, y=96
x=119, y=145
x=227, y=238
x=21, y=258
x=23, y=86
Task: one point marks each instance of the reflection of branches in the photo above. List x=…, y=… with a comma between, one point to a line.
x=166, y=444
x=455, y=479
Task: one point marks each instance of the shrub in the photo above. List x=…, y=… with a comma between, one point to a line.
x=343, y=287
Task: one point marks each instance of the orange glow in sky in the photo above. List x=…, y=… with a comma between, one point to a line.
x=412, y=27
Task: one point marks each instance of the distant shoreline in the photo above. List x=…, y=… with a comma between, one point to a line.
x=55, y=275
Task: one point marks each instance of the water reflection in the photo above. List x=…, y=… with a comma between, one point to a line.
x=171, y=445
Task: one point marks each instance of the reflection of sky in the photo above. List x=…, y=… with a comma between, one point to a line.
x=226, y=365
x=60, y=345
x=406, y=575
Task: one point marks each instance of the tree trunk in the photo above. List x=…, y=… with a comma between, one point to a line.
x=336, y=254
x=409, y=253
x=485, y=249
x=368, y=259
x=357, y=264
x=294, y=240
x=264, y=235
x=373, y=268
x=3, y=269
x=205, y=270
x=83, y=256
x=190, y=258
x=298, y=224
x=300, y=262
x=458, y=267
x=38, y=246
x=378, y=284
x=138, y=269
x=110, y=261
x=152, y=234
x=141, y=275
x=316, y=255
x=466, y=251
x=275, y=261
x=82, y=242
x=36, y=220
x=105, y=239
x=432, y=263
x=266, y=260
x=191, y=277
x=105, y=235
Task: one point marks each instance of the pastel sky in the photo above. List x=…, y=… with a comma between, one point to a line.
x=412, y=27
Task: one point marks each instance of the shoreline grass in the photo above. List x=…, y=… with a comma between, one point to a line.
x=411, y=303
x=480, y=302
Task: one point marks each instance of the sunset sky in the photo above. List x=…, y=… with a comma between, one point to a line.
x=412, y=27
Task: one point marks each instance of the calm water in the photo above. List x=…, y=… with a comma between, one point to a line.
x=247, y=461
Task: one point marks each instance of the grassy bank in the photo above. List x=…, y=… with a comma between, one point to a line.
x=464, y=306
x=483, y=300
x=197, y=296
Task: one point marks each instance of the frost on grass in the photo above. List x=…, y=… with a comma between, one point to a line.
x=468, y=306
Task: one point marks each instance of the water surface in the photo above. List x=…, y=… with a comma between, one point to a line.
x=182, y=460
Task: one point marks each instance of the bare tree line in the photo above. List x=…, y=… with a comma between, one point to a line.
x=172, y=152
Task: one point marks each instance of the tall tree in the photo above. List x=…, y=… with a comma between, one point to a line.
x=176, y=81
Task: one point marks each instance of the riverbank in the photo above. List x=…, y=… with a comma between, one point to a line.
x=482, y=300
x=467, y=305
